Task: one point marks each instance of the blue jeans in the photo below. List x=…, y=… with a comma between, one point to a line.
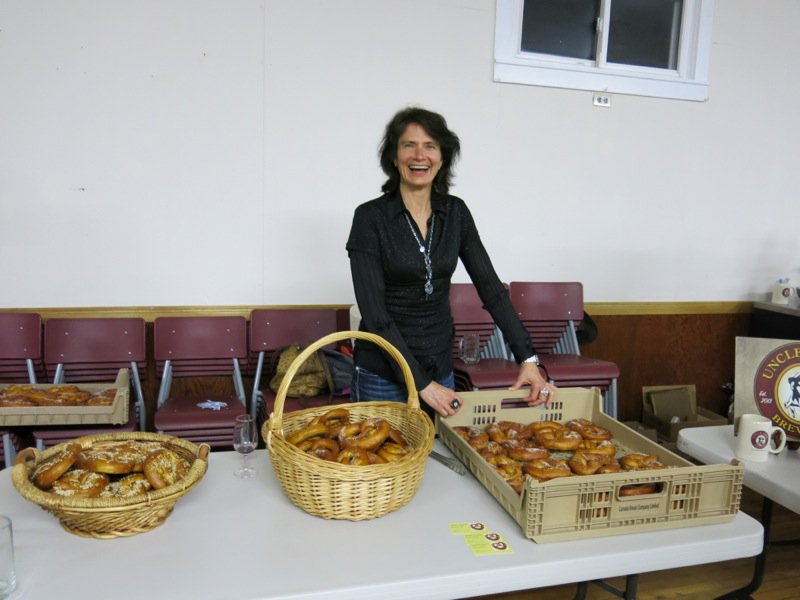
x=369, y=386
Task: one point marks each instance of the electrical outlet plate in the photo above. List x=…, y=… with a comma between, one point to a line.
x=602, y=100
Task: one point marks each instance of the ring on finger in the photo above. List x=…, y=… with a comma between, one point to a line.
x=544, y=392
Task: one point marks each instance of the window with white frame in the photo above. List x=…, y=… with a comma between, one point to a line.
x=644, y=47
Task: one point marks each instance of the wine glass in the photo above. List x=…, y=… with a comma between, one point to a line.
x=245, y=440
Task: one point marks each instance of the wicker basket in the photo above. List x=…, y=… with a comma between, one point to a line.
x=335, y=491
x=107, y=518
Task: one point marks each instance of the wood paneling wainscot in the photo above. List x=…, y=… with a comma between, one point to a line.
x=670, y=344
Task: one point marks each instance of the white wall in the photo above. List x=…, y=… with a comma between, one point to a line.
x=211, y=152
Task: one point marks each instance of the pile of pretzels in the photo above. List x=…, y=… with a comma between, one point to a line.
x=334, y=436
x=27, y=395
x=546, y=450
x=111, y=469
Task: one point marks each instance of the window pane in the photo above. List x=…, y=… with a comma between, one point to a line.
x=560, y=27
x=645, y=32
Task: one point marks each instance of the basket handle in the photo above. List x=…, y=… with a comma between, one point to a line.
x=280, y=398
x=25, y=455
x=202, y=452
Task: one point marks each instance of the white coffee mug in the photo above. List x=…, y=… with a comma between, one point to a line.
x=755, y=438
x=783, y=292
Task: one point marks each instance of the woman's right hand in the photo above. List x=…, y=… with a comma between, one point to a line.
x=441, y=399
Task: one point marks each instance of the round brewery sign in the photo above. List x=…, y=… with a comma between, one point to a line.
x=777, y=387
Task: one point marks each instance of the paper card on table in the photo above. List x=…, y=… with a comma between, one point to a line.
x=467, y=528
x=487, y=543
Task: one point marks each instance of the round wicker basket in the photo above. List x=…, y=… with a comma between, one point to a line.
x=107, y=518
x=335, y=491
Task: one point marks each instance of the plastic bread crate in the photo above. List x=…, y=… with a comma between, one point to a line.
x=116, y=413
x=591, y=505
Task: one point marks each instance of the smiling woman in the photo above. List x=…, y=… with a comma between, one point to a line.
x=404, y=247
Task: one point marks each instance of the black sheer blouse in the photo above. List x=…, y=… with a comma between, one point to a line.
x=388, y=273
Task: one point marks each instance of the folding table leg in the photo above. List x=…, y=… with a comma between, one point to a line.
x=629, y=593
x=761, y=560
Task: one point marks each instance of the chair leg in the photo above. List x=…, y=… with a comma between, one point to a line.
x=256, y=396
x=166, y=383
x=8, y=450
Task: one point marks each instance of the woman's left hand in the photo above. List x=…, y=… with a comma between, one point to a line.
x=442, y=399
x=541, y=391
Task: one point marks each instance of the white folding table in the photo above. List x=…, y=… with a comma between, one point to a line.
x=232, y=539
x=776, y=480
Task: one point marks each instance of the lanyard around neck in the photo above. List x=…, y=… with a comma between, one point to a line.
x=425, y=251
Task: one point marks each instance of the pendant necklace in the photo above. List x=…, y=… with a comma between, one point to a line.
x=426, y=253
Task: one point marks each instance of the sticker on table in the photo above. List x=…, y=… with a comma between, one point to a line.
x=487, y=543
x=468, y=528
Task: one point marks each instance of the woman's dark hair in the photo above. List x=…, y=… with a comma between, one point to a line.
x=436, y=127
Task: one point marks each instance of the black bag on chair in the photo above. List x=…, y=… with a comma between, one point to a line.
x=586, y=331
x=341, y=367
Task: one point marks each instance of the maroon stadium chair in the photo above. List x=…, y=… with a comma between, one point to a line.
x=93, y=350
x=551, y=311
x=496, y=368
x=272, y=329
x=200, y=350
x=20, y=361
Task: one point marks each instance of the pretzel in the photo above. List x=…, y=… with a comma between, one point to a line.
x=104, y=398
x=585, y=463
x=525, y=450
x=116, y=457
x=478, y=439
x=397, y=437
x=333, y=420
x=597, y=447
x=547, y=468
x=508, y=468
x=637, y=489
x=130, y=485
x=559, y=439
x=312, y=430
x=16, y=400
x=47, y=471
x=80, y=483
x=589, y=430
x=611, y=467
x=163, y=468
x=539, y=426
x=515, y=431
x=391, y=452
x=372, y=433
x=493, y=449
x=375, y=459
x=353, y=456
x=641, y=462
x=324, y=448
x=497, y=435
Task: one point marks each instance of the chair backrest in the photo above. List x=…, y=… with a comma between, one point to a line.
x=469, y=316
x=274, y=328
x=93, y=349
x=21, y=347
x=549, y=311
x=199, y=346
